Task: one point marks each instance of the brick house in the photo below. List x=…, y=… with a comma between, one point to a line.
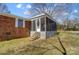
x=12, y=26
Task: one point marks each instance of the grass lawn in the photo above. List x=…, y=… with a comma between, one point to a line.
x=13, y=46
x=22, y=46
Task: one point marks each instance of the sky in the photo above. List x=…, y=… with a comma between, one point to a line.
x=18, y=9
x=21, y=9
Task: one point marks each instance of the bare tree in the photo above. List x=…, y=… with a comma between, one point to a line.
x=52, y=9
x=71, y=24
x=4, y=8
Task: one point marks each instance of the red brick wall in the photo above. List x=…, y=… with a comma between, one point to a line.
x=28, y=26
x=8, y=29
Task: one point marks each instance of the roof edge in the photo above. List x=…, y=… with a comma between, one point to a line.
x=12, y=15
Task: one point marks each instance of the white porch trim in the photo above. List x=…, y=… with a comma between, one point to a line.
x=16, y=22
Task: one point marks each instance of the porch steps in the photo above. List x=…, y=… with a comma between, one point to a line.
x=35, y=36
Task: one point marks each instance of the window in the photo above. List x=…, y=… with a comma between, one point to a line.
x=20, y=23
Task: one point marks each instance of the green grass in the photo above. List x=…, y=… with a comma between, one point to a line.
x=24, y=46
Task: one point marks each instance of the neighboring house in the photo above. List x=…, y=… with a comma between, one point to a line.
x=43, y=26
x=12, y=26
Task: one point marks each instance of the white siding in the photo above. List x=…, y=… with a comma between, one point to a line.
x=23, y=23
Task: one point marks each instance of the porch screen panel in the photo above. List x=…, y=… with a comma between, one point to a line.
x=48, y=24
x=37, y=23
x=54, y=26
x=33, y=25
x=43, y=24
